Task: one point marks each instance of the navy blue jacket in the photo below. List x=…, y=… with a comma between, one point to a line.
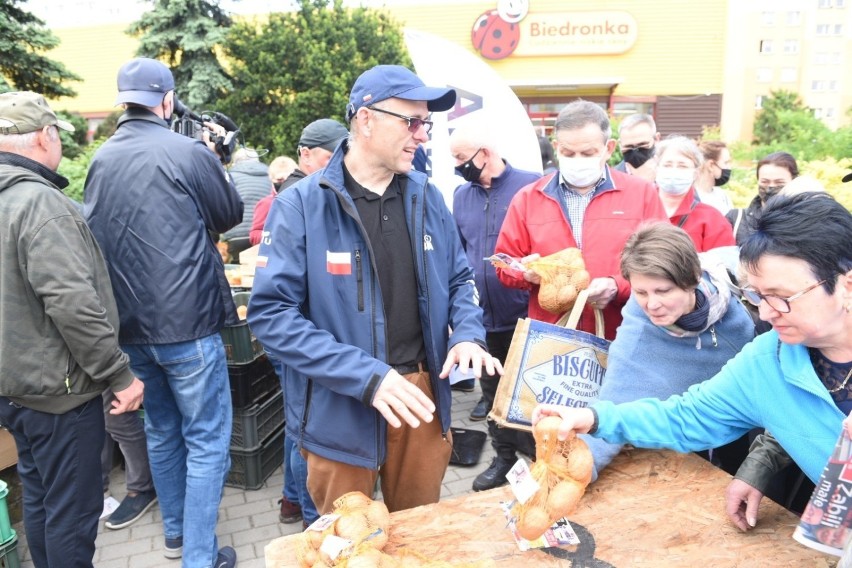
x=479, y=214
x=317, y=307
x=151, y=197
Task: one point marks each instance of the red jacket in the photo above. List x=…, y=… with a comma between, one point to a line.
x=261, y=210
x=704, y=223
x=537, y=223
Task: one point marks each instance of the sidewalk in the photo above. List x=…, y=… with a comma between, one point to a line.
x=248, y=520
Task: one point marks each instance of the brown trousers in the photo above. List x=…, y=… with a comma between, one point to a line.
x=417, y=459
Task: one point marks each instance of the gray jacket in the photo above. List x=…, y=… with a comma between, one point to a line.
x=58, y=323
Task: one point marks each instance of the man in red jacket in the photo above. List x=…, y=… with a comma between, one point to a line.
x=586, y=205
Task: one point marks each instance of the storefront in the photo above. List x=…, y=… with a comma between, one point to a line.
x=664, y=58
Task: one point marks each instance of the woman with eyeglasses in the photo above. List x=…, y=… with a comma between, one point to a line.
x=795, y=381
x=774, y=171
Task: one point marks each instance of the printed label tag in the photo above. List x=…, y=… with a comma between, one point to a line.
x=522, y=482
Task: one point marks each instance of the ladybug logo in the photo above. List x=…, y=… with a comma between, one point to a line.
x=493, y=37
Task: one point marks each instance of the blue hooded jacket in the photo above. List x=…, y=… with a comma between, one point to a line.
x=316, y=306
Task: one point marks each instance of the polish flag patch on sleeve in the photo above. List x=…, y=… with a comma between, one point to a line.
x=339, y=263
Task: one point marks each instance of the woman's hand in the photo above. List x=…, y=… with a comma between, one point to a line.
x=578, y=420
x=741, y=504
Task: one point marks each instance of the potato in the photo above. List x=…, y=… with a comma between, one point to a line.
x=564, y=498
x=580, y=461
x=533, y=522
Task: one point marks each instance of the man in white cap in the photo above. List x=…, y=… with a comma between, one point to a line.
x=58, y=331
x=357, y=286
x=152, y=198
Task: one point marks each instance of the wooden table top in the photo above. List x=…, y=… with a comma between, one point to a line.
x=648, y=508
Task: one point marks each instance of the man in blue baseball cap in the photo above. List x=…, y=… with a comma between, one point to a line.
x=357, y=287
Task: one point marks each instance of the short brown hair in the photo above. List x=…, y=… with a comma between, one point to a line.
x=663, y=251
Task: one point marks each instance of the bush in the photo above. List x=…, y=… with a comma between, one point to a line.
x=76, y=169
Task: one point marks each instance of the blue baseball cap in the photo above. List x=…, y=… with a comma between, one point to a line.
x=144, y=81
x=384, y=82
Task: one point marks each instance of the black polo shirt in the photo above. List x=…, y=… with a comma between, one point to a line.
x=383, y=217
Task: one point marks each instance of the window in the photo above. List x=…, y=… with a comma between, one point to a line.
x=764, y=74
x=818, y=85
x=788, y=75
x=824, y=4
x=767, y=18
x=838, y=29
x=758, y=102
x=820, y=58
x=832, y=86
x=835, y=58
x=791, y=46
x=766, y=46
x=839, y=3
x=823, y=29
x=794, y=18
x=828, y=113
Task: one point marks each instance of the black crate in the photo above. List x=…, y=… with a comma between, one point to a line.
x=251, y=468
x=241, y=346
x=254, y=424
x=252, y=382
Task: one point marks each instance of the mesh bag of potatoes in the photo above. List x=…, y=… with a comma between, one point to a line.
x=563, y=274
x=563, y=470
x=362, y=522
x=353, y=536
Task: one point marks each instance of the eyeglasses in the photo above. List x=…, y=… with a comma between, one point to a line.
x=414, y=123
x=777, y=303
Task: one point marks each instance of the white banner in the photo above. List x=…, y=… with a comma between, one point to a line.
x=482, y=95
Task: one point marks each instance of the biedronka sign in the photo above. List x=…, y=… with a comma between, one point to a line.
x=554, y=33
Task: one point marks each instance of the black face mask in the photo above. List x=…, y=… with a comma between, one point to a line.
x=724, y=178
x=636, y=157
x=469, y=171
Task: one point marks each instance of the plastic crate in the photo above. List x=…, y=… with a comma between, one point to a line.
x=241, y=346
x=9, y=553
x=252, y=382
x=251, y=468
x=253, y=425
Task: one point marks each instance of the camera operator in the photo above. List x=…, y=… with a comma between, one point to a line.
x=151, y=198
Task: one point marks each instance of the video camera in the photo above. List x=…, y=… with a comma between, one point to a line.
x=191, y=124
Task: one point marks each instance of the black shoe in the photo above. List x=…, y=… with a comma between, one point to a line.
x=131, y=508
x=480, y=411
x=466, y=385
x=494, y=476
x=227, y=558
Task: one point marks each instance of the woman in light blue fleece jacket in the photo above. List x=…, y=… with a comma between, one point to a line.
x=681, y=325
x=795, y=381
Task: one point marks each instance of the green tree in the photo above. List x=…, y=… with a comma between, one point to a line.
x=24, y=39
x=185, y=35
x=76, y=170
x=300, y=66
x=768, y=127
x=73, y=142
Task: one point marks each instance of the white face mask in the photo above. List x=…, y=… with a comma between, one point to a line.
x=675, y=181
x=580, y=172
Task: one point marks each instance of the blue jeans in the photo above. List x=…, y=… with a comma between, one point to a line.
x=59, y=466
x=296, y=476
x=188, y=420
x=295, y=468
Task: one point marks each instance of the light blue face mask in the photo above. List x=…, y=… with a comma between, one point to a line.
x=674, y=181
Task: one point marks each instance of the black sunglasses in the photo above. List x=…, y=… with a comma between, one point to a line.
x=414, y=123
